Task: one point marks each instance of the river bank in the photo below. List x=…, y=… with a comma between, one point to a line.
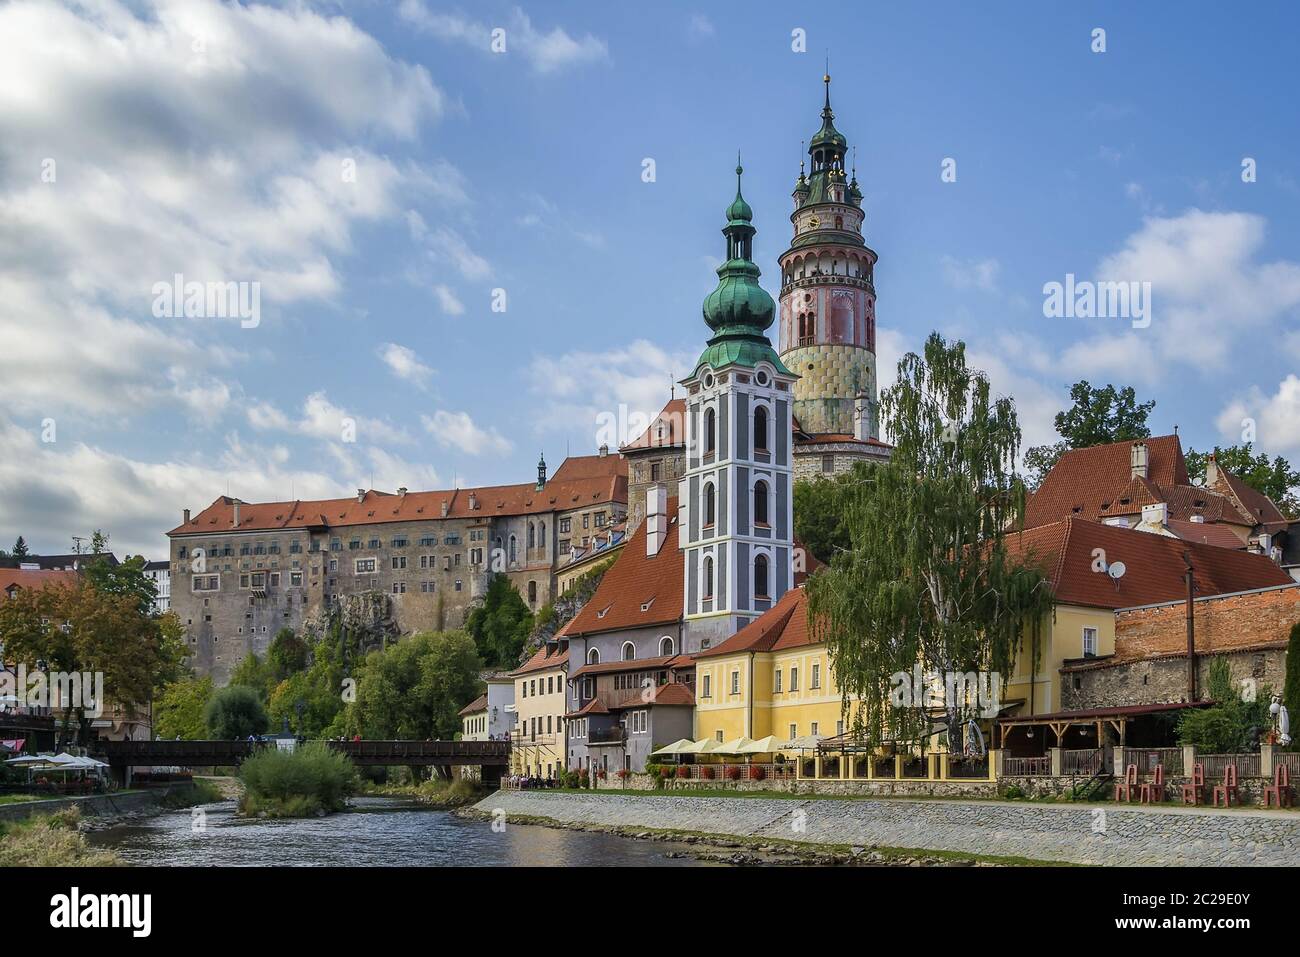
x=915, y=832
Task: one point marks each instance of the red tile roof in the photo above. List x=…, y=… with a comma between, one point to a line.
x=1254, y=503
x=1085, y=481
x=784, y=625
x=594, y=706
x=580, y=481
x=638, y=590
x=478, y=704
x=546, y=657
x=24, y=578
x=668, y=430
x=635, y=664
x=673, y=693
x=1154, y=569
x=1205, y=532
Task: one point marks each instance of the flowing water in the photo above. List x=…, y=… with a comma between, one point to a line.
x=383, y=832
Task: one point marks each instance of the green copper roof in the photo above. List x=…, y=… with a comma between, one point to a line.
x=739, y=309
x=828, y=134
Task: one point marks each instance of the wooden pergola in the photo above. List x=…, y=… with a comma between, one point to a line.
x=1117, y=719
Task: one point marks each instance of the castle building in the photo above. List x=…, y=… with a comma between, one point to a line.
x=827, y=334
x=404, y=562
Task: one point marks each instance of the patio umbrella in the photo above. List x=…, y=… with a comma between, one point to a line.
x=734, y=746
x=761, y=746
x=674, y=748
x=805, y=743
x=30, y=759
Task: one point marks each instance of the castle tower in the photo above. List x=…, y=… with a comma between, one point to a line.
x=736, y=495
x=828, y=301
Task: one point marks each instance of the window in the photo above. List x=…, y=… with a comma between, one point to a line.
x=760, y=503
x=1089, y=642
x=708, y=578
x=426, y=587
x=428, y=541
x=593, y=656
x=514, y=550
x=399, y=562
x=532, y=593
x=839, y=728
x=794, y=731
x=399, y=541
x=776, y=680
x=399, y=588
x=828, y=463
x=655, y=471
x=760, y=429
x=532, y=535
x=705, y=687
x=814, y=728
x=816, y=676
x=629, y=651
x=365, y=565
x=354, y=545
x=760, y=577
x=717, y=735
x=458, y=584
x=710, y=504
x=295, y=579
x=710, y=431
x=794, y=679
x=374, y=543
x=336, y=545
x=565, y=524
x=334, y=564
x=735, y=682
x=666, y=647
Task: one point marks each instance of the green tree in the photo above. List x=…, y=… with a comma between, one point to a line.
x=1272, y=477
x=415, y=688
x=819, y=511
x=1291, y=686
x=180, y=709
x=235, y=712
x=287, y=655
x=254, y=671
x=125, y=578
x=1230, y=725
x=1097, y=417
x=20, y=548
x=500, y=624
x=927, y=577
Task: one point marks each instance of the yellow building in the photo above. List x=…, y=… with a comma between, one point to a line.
x=537, y=741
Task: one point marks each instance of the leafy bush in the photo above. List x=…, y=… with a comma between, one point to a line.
x=706, y=772
x=733, y=774
x=1230, y=725
x=756, y=773
x=1012, y=792
x=235, y=712
x=296, y=783
x=683, y=771
x=624, y=774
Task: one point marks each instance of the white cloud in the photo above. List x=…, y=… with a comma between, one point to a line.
x=447, y=301
x=457, y=430
x=1276, y=418
x=448, y=246
x=322, y=419
x=629, y=383
x=404, y=363
x=186, y=136
x=973, y=274
x=546, y=51
x=699, y=27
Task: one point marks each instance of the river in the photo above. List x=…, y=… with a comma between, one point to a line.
x=381, y=832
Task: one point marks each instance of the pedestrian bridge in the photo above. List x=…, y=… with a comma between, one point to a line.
x=491, y=756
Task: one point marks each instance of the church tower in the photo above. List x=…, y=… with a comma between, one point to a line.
x=736, y=494
x=828, y=301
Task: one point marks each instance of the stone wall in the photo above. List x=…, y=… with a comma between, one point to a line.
x=1150, y=661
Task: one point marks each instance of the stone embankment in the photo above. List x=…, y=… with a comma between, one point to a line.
x=1075, y=833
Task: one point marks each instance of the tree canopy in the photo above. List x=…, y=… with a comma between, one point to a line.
x=500, y=624
x=234, y=712
x=819, y=511
x=1098, y=416
x=415, y=688
x=926, y=577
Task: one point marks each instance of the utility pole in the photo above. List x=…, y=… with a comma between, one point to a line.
x=1191, y=628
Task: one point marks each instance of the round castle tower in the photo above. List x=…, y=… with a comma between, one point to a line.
x=828, y=301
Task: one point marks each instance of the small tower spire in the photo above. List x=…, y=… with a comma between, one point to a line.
x=541, y=471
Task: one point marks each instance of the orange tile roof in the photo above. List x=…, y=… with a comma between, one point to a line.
x=478, y=704
x=673, y=693
x=1154, y=569
x=636, y=580
x=594, y=706
x=668, y=430
x=580, y=481
x=25, y=578
x=784, y=625
x=1254, y=503
x=635, y=664
x=1205, y=532
x=545, y=658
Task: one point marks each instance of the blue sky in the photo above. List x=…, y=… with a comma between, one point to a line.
x=208, y=139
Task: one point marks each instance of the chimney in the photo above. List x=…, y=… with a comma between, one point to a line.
x=604, y=451
x=656, y=518
x=401, y=492
x=446, y=507
x=1157, y=514
x=1138, y=460
x=1211, y=471
x=236, y=524
x=473, y=501
x=185, y=516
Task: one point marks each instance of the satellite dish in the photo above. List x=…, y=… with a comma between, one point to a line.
x=1198, y=481
x=1117, y=570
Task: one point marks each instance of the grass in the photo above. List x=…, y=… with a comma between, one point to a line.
x=203, y=792
x=436, y=792
x=306, y=782
x=19, y=798
x=50, y=840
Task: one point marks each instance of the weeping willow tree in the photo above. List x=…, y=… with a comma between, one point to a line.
x=927, y=584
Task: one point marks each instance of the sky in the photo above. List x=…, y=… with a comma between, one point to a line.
x=461, y=258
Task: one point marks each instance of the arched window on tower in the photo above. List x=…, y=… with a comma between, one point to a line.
x=760, y=429
x=532, y=535
x=760, y=577
x=839, y=222
x=708, y=578
x=541, y=534
x=710, y=504
x=760, y=503
x=710, y=431
x=514, y=550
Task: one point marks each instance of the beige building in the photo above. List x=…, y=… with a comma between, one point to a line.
x=538, y=738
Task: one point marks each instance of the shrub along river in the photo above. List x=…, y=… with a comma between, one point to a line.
x=379, y=832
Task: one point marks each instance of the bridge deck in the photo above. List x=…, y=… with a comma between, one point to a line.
x=215, y=753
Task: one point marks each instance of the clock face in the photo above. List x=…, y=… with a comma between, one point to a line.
x=814, y=222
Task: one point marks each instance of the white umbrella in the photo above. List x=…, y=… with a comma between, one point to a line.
x=30, y=759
